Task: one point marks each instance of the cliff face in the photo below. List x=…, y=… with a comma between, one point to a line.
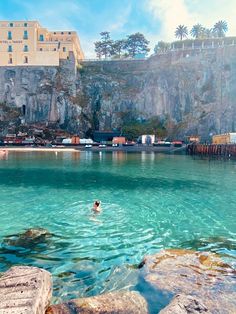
x=194, y=92
x=42, y=95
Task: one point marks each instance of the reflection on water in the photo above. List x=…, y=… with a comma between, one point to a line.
x=3, y=154
x=119, y=156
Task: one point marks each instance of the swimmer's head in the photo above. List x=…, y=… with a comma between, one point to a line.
x=97, y=203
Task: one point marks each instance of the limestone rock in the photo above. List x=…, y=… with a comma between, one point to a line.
x=25, y=290
x=123, y=302
x=29, y=238
x=183, y=304
x=199, y=274
x=35, y=233
x=195, y=93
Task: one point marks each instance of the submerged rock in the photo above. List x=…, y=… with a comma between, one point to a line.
x=123, y=302
x=183, y=304
x=30, y=237
x=25, y=289
x=211, y=243
x=201, y=274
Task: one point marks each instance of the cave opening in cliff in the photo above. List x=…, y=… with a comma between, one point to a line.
x=23, y=110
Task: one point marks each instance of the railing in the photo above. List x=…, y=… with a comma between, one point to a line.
x=111, y=60
x=214, y=44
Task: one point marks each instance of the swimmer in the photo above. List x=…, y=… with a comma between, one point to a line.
x=97, y=207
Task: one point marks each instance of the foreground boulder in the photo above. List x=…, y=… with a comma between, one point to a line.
x=183, y=304
x=201, y=274
x=25, y=290
x=123, y=302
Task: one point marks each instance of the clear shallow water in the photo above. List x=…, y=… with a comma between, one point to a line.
x=149, y=201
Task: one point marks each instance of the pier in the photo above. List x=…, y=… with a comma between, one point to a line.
x=212, y=150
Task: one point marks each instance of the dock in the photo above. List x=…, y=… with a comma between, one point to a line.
x=212, y=150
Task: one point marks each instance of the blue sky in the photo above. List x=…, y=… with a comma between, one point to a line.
x=156, y=19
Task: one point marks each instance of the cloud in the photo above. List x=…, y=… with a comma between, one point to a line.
x=171, y=13
x=119, y=23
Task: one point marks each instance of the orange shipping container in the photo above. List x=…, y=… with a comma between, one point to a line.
x=75, y=140
x=118, y=140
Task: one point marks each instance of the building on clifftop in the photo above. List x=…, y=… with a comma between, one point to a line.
x=28, y=43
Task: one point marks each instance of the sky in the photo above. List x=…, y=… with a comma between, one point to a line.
x=156, y=19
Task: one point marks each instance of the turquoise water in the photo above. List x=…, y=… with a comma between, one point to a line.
x=149, y=201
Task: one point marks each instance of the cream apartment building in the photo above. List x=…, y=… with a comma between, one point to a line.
x=28, y=43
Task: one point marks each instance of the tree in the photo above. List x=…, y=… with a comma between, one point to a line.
x=104, y=46
x=161, y=47
x=197, y=31
x=220, y=28
x=136, y=44
x=133, y=125
x=181, y=32
x=207, y=33
x=118, y=47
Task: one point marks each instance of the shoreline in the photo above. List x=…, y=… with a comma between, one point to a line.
x=76, y=149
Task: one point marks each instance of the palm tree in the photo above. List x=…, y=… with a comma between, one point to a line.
x=181, y=32
x=220, y=28
x=208, y=33
x=197, y=30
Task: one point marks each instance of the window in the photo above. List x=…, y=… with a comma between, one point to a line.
x=9, y=35
x=40, y=49
x=69, y=33
x=25, y=35
x=41, y=37
x=10, y=48
x=25, y=59
x=54, y=33
x=11, y=24
x=62, y=33
x=64, y=49
x=25, y=24
x=55, y=49
x=26, y=48
x=10, y=60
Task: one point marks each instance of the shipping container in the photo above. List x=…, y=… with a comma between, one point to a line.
x=147, y=139
x=227, y=138
x=75, y=140
x=66, y=141
x=118, y=140
x=86, y=141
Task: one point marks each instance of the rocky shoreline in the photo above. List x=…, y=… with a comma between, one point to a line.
x=192, y=282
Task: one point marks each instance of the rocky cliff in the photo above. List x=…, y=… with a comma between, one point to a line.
x=193, y=91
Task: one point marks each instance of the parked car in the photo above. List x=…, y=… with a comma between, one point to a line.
x=88, y=146
x=102, y=145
